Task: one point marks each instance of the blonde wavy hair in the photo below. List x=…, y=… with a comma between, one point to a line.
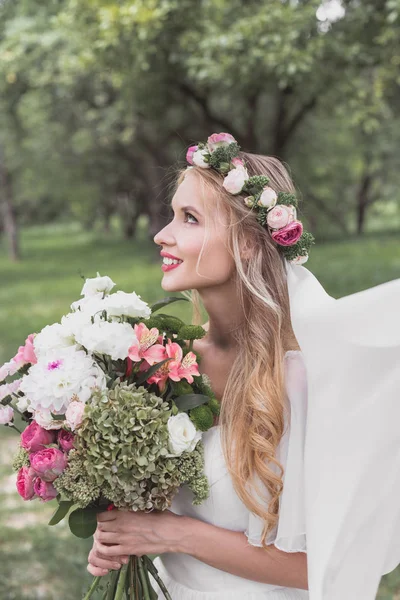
x=253, y=403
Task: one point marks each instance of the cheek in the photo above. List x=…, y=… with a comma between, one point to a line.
x=217, y=261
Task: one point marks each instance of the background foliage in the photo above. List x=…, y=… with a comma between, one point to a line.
x=99, y=100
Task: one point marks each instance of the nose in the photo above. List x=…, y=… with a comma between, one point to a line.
x=163, y=238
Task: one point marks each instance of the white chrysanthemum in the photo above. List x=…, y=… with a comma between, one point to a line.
x=52, y=337
x=127, y=305
x=112, y=339
x=58, y=377
x=97, y=284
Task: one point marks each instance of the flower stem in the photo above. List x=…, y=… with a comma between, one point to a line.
x=121, y=583
x=153, y=570
x=112, y=584
x=143, y=580
x=92, y=588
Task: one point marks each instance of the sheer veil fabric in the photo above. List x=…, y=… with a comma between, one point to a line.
x=351, y=350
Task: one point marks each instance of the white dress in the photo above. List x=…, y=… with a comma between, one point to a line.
x=187, y=578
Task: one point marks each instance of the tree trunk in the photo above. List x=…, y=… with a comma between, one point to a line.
x=7, y=212
x=363, y=201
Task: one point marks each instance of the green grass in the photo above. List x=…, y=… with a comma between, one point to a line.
x=43, y=562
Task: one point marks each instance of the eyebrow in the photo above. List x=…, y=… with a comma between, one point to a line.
x=188, y=208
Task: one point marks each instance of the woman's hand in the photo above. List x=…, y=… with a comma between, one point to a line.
x=120, y=534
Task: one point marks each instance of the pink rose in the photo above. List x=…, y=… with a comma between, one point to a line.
x=49, y=463
x=189, y=154
x=6, y=415
x=66, y=440
x=279, y=216
x=26, y=353
x=74, y=414
x=44, y=489
x=25, y=481
x=289, y=235
x=219, y=139
x=235, y=180
x=237, y=162
x=34, y=437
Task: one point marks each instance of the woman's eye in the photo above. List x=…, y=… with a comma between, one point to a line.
x=190, y=216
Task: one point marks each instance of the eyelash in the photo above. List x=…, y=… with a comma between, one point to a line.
x=188, y=213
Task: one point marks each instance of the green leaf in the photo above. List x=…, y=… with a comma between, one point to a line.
x=165, y=301
x=82, y=522
x=150, y=372
x=61, y=511
x=189, y=401
x=57, y=417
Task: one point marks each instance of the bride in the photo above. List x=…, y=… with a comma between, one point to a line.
x=304, y=460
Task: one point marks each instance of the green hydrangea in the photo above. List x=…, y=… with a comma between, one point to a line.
x=21, y=459
x=124, y=438
x=191, y=472
x=76, y=484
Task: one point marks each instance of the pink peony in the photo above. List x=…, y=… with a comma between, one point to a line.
x=279, y=216
x=289, y=235
x=66, y=440
x=49, y=463
x=74, y=414
x=235, y=180
x=6, y=415
x=189, y=154
x=26, y=353
x=25, y=482
x=219, y=139
x=34, y=437
x=44, y=489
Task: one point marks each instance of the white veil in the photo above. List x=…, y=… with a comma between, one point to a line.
x=351, y=349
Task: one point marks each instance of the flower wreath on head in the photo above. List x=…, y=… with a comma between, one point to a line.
x=276, y=211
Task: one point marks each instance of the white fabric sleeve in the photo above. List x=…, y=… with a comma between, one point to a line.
x=289, y=534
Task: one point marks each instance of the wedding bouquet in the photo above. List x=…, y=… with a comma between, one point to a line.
x=111, y=408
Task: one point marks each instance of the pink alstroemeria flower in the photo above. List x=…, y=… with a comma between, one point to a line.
x=146, y=347
x=176, y=368
x=26, y=353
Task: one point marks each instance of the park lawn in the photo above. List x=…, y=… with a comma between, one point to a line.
x=48, y=563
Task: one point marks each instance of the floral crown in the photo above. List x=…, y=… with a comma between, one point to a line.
x=276, y=211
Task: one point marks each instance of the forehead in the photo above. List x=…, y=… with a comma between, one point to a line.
x=194, y=191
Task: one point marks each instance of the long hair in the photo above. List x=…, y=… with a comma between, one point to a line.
x=253, y=404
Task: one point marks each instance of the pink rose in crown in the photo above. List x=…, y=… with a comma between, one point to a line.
x=26, y=353
x=235, y=180
x=34, y=437
x=280, y=216
x=44, y=489
x=25, y=481
x=219, y=139
x=289, y=235
x=49, y=463
x=66, y=440
x=189, y=154
x=237, y=162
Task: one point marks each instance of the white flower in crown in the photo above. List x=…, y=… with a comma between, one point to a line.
x=198, y=159
x=299, y=260
x=235, y=180
x=268, y=198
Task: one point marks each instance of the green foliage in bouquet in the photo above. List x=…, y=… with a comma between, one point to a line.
x=21, y=459
x=77, y=483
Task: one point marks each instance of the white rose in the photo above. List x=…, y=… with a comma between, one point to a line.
x=97, y=284
x=198, y=159
x=235, y=180
x=299, y=260
x=127, y=305
x=183, y=435
x=268, y=198
x=6, y=415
